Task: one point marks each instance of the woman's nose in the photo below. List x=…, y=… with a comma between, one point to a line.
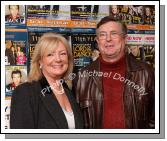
x=57, y=58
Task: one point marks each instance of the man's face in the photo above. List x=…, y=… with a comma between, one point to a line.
x=14, y=11
x=16, y=79
x=111, y=41
x=12, y=49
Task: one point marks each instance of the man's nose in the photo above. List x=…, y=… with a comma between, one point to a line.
x=108, y=37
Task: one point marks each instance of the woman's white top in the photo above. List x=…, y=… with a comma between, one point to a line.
x=70, y=119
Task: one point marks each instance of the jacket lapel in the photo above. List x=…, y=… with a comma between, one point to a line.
x=97, y=78
x=52, y=104
x=133, y=64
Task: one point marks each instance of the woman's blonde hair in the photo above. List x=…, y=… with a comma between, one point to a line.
x=48, y=42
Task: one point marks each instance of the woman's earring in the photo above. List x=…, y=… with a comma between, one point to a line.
x=40, y=66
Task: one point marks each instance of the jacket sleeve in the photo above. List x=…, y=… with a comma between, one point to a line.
x=21, y=114
x=151, y=113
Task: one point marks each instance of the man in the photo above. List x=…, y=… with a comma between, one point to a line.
x=8, y=45
x=116, y=90
x=16, y=78
x=12, y=56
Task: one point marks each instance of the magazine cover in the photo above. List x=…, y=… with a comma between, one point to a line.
x=135, y=39
x=15, y=15
x=84, y=12
x=34, y=36
x=88, y=12
x=15, y=75
x=145, y=53
x=137, y=51
x=83, y=46
x=48, y=15
x=133, y=14
x=149, y=14
x=48, y=12
x=15, y=52
x=149, y=54
x=16, y=47
x=142, y=37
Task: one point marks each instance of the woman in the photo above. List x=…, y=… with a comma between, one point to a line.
x=148, y=19
x=45, y=102
x=114, y=12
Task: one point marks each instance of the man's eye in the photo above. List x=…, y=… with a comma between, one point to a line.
x=114, y=33
x=102, y=34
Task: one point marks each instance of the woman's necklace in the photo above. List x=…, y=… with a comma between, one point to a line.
x=58, y=84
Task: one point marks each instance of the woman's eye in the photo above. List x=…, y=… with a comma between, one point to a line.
x=64, y=53
x=50, y=54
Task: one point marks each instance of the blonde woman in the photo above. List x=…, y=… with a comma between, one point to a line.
x=46, y=102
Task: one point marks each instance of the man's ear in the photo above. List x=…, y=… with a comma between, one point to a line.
x=97, y=40
x=125, y=38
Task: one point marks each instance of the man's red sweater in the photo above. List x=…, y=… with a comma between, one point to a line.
x=113, y=110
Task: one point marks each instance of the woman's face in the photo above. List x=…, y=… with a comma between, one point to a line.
x=55, y=63
x=114, y=9
x=14, y=11
x=148, y=12
x=18, y=48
